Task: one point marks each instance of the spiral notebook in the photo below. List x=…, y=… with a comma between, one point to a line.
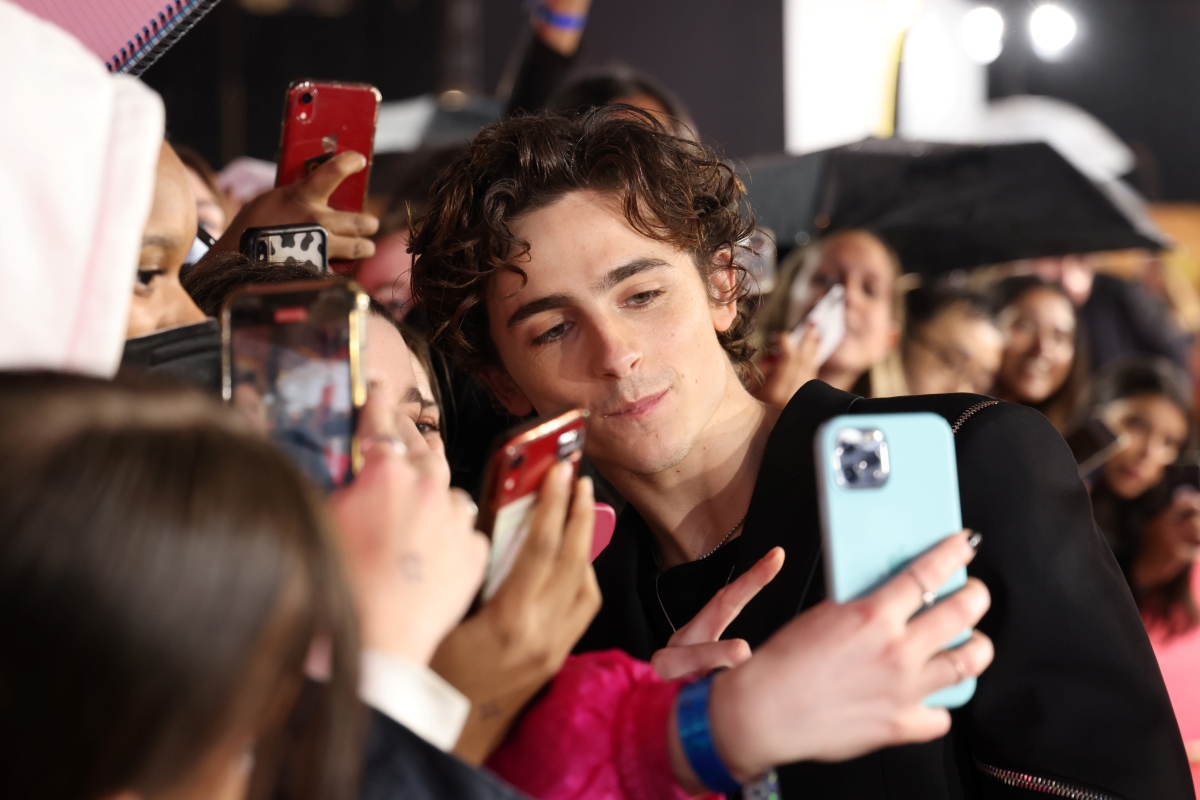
x=128, y=35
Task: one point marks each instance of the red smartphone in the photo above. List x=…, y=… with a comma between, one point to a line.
x=514, y=476
x=320, y=120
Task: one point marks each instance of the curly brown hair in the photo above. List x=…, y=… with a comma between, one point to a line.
x=672, y=190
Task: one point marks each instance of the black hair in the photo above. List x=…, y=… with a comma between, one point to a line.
x=604, y=85
x=1142, y=376
x=924, y=304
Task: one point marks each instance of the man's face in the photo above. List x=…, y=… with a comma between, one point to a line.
x=159, y=300
x=613, y=322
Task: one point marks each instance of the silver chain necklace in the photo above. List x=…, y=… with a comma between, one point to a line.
x=720, y=544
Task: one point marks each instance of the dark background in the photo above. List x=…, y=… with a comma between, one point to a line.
x=1135, y=65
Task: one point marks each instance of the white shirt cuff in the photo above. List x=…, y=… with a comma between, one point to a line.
x=415, y=696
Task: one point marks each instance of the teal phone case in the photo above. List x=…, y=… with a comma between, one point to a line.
x=871, y=532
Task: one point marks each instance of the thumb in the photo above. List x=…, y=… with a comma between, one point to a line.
x=318, y=185
x=724, y=607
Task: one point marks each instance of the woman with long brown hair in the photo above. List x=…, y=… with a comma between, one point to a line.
x=163, y=575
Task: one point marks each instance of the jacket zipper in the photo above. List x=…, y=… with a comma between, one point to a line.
x=1033, y=783
x=972, y=411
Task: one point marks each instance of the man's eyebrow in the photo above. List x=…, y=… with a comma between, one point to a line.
x=534, y=307
x=626, y=271
x=614, y=276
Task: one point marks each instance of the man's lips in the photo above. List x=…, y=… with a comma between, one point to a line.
x=636, y=408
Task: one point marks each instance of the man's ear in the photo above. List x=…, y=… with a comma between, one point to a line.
x=724, y=283
x=507, y=392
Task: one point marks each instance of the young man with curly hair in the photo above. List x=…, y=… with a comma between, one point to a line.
x=593, y=262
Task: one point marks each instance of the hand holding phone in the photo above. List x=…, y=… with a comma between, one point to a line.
x=322, y=120
x=888, y=490
x=304, y=243
x=514, y=478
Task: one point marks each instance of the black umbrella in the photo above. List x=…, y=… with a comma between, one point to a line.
x=945, y=207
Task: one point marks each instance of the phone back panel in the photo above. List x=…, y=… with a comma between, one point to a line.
x=321, y=120
x=883, y=506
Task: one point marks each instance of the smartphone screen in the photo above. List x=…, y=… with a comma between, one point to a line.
x=829, y=317
x=292, y=354
x=515, y=473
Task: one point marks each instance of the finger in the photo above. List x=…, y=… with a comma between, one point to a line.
x=673, y=663
x=725, y=605
x=920, y=724
x=904, y=595
x=350, y=248
x=575, y=556
x=318, y=185
x=949, y=667
x=536, y=561
x=376, y=422
x=348, y=224
x=810, y=343
x=930, y=632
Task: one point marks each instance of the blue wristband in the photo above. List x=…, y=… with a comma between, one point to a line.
x=566, y=22
x=695, y=735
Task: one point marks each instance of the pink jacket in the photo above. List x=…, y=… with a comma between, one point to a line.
x=599, y=733
x=1179, y=660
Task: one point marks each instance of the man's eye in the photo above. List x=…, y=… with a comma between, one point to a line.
x=428, y=427
x=644, y=298
x=554, y=334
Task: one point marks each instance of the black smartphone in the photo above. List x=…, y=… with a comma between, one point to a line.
x=292, y=361
x=287, y=244
x=1093, y=443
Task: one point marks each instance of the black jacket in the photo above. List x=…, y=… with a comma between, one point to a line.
x=1074, y=695
x=402, y=766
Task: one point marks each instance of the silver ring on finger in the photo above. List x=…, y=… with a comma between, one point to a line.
x=928, y=597
x=391, y=440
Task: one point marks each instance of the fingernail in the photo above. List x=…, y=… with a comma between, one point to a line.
x=974, y=539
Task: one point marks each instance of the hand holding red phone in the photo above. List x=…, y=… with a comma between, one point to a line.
x=697, y=647
x=504, y=654
x=307, y=201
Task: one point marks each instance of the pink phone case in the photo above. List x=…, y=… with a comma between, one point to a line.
x=602, y=533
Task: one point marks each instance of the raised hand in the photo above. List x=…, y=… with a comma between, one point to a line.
x=697, y=648
x=307, y=200
x=843, y=680
x=790, y=364
x=414, y=558
x=504, y=654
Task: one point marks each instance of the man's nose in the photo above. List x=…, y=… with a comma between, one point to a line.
x=616, y=351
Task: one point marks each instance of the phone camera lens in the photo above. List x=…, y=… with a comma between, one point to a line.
x=306, y=98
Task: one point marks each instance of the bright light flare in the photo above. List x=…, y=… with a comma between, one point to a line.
x=983, y=34
x=1052, y=29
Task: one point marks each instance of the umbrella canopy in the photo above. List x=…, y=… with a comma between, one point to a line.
x=945, y=207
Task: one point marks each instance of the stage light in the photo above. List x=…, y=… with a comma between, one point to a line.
x=1052, y=29
x=983, y=34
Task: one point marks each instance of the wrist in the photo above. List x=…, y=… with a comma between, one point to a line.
x=728, y=704
x=694, y=728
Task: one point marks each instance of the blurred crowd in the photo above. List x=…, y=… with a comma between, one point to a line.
x=185, y=615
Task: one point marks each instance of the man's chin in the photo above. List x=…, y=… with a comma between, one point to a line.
x=644, y=461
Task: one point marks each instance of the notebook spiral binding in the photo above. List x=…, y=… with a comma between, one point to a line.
x=157, y=36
